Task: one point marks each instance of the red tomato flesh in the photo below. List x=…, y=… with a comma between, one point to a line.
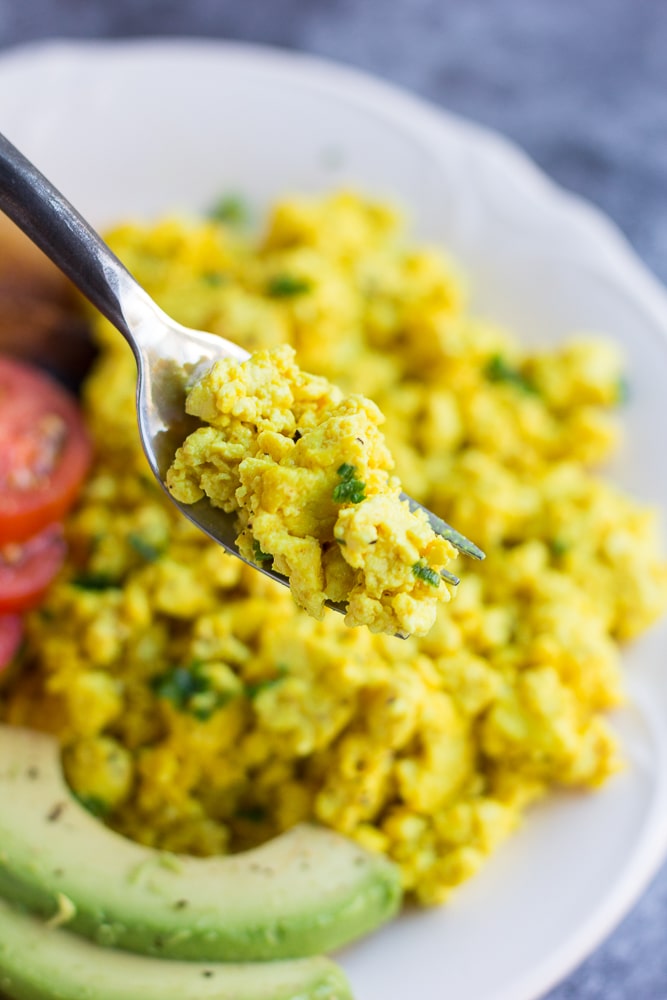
x=44, y=451
x=27, y=568
x=11, y=633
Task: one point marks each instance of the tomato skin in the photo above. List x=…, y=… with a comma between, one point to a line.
x=27, y=569
x=45, y=451
x=11, y=634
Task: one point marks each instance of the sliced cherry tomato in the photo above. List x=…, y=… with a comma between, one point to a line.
x=44, y=451
x=11, y=633
x=27, y=568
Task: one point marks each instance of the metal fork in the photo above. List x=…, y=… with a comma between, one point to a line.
x=167, y=354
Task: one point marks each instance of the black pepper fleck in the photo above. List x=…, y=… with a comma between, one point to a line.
x=56, y=812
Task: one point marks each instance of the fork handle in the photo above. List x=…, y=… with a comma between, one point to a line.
x=48, y=219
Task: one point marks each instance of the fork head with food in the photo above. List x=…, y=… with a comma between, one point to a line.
x=386, y=562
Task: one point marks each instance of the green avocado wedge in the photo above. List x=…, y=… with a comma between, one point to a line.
x=306, y=892
x=41, y=963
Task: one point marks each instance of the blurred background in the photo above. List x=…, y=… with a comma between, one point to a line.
x=581, y=85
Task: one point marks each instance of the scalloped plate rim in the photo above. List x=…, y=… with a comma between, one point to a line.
x=605, y=249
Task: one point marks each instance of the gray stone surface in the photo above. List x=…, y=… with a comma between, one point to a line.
x=580, y=84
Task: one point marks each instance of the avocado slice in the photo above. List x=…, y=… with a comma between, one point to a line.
x=38, y=962
x=308, y=891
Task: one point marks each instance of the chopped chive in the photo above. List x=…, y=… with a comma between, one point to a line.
x=350, y=489
x=232, y=209
x=214, y=279
x=178, y=684
x=145, y=549
x=346, y=471
x=559, y=546
x=498, y=369
x=259, y=555
x=190, y=690
x=284, y=286
x=252, y=690
x=424, y=572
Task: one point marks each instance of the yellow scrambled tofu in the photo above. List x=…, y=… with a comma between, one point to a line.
x=308, y=472
x=199, y=710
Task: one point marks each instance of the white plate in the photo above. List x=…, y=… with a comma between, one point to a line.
x=150, y=127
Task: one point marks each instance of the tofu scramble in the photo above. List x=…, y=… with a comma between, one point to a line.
x=307, y=471
x=200, y=711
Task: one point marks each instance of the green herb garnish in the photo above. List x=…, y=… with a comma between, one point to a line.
x=349, y=489
x=190, y=690
x=498, y=369
x=214, y=279
x=259, y=555
x=346, y=471
x=252, y=690
x=178, y=684
x=231, y=209
x=424, y=572
x=144, y=548
x=559, y=546
x=284, y=286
